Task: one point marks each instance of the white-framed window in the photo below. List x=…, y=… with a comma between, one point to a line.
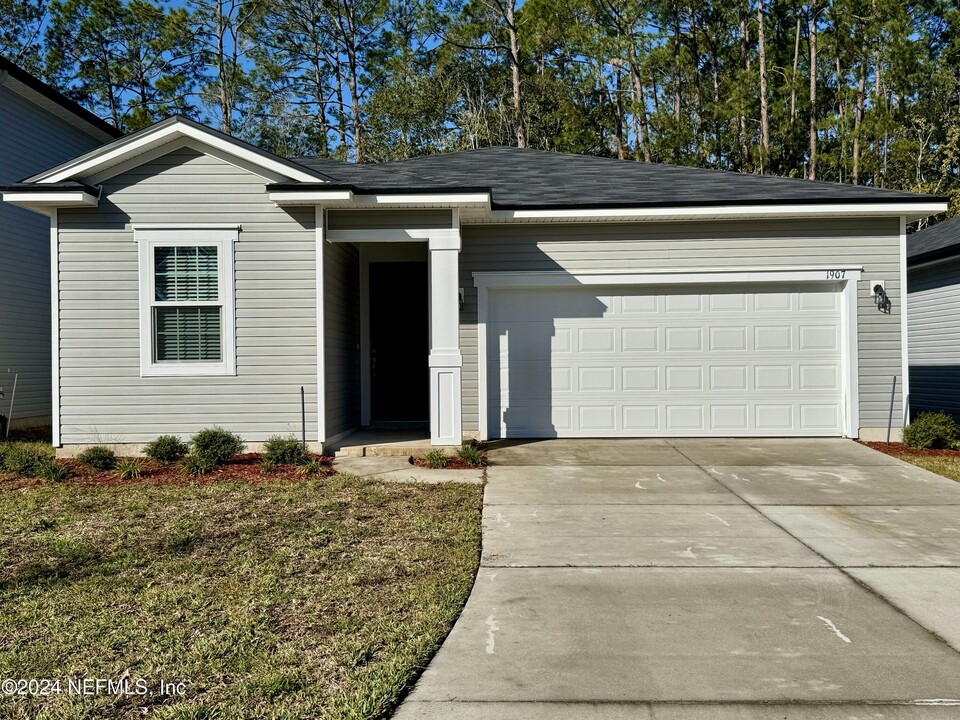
x=187, y=317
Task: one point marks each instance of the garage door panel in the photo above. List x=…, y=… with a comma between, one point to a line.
x=657, y=361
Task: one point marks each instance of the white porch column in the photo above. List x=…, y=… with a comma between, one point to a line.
x=445, y=360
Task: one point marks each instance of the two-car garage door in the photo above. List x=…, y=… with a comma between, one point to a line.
x=664, y=361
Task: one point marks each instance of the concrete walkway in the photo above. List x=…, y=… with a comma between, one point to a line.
x=695, y=579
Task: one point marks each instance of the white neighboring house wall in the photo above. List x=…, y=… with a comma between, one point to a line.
x=32, y=137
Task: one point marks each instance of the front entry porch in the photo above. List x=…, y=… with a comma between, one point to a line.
x=406, y=329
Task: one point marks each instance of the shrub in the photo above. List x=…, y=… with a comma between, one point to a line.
x=436, y=459
x=198, y=464
x=285, y=450
x=167, y=449
x=267, y=466
x=216, y=445
x=471, y=454
x=932, y=430
x=311, y=468
x=47, y=469
x=98, y=457
x=129, y=468
x=25, y=458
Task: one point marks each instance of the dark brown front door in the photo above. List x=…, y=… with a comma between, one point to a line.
x=399, y=342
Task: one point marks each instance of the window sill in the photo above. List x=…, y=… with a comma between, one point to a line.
x=187, y=370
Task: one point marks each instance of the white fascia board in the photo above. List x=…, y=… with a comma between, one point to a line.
x=381, y=200
x=123, y=150
x=448, y=237
x=309, y=197
x=911, y=210
x=555, y=278
x=423, y=199
x=43, y=202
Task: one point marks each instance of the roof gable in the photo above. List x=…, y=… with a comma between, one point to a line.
x=164, y=137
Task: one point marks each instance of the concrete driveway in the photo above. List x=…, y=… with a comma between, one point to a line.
x=724, y=579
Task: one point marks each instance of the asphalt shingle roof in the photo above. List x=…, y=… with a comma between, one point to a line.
x=936, y=241
x=524, y=178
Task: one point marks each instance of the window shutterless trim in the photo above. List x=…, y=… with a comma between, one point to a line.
x=149, y=238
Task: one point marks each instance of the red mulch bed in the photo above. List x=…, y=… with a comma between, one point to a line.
x=453, y=463
x=895, y=448
x=241, y=468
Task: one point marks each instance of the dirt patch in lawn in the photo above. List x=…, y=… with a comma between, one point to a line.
x=899, y=449
x=241, y=468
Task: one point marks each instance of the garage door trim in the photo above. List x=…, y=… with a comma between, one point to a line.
x=845, y=277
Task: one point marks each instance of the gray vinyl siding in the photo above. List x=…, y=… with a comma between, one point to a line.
x=580, y=247
x=934, y=334
x=388, y=219
x=103, y=397
x=341, y=279
x=31, y=139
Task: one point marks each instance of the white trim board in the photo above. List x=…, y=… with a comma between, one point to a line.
x=319, y=220
x=912, y=210
x=553, y=278
x=845, y=277
x=55, y=328
x=904, y=330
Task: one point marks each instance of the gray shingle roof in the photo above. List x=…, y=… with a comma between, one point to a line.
x=537, y=179
x=936, y=241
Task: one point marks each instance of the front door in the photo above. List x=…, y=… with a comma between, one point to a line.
x=399, y=342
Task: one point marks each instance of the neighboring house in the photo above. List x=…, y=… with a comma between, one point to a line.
x=933, y=306
x=492, y=293
x=39, y=127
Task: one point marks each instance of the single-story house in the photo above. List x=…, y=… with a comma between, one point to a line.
x=490, y=293
x=39, y=127
x=933, y=306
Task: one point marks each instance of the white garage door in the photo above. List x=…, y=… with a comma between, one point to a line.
x=664, y=361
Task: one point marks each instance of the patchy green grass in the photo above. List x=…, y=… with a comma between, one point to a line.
x=947, y=466
x=318, y=599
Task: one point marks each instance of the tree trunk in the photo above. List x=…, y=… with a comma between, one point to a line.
x=515, y=74
x=745, y=60
x=857, y=120
x=618, y=106
x=814, y=11
x=793, y=81
x=764, y=110
x=677, y=77
x=641, y=107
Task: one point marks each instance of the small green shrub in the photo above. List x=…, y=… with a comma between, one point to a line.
x=312, y=468
x=167, y=449
x=129, y=468
x=267, y=466
x=932, y=430
x=471, y=454
x=198, y=464
x=216, y=445
x=435, y=459
x=285, y=450
x=25, y=458
x=48, y=470
x=98, y=457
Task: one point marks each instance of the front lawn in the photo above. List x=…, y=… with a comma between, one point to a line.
x=948, y=466
x=311, y=599
x=943, y=462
